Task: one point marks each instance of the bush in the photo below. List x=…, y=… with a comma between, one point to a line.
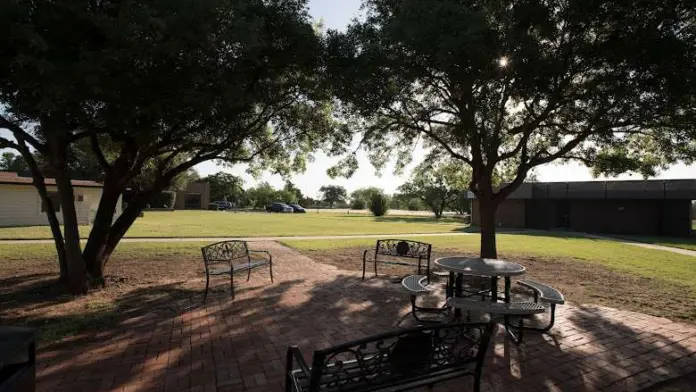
x=379, y=204
x=164, y=199
x=415, y=205
x=358, y=204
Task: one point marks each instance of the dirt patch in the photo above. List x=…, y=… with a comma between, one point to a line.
x=580, y=281
x=29, y=295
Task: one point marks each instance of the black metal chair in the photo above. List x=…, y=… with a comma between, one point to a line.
x=225, y=253
x=394, y=361
x=403, y=251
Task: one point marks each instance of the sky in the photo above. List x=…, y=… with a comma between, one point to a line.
x=337, y=14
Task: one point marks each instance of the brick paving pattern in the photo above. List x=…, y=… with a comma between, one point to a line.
x=225, y=345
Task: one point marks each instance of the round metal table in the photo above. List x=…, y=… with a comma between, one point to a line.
x=476, y=266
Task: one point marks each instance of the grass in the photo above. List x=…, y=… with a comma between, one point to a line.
x=587, y=271
x=657, y=264
x=227, y=224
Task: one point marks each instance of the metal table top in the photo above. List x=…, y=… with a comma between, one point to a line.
x=479, y=266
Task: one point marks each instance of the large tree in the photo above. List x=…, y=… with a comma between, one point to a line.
x=506, y=86
x=154, y=87
x=226, y=186
x=437, y=185
x=333, y=194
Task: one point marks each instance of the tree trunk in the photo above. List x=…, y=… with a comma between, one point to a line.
x=77, y=271
x=487, y=210
x=96, y=247
x=116, y=233
x=40, y=185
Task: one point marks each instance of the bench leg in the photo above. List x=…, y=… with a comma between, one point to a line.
x=364, y=262
x=249, y=274
x=207, y=283
x=548, y=327
x=415, y=309
x=232, y=283
x=270, y=268
x=375, y=267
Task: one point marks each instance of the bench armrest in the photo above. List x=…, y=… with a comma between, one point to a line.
x=293, y=355
x=366, y=252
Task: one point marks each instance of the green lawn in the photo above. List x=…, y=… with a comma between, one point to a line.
x=258, y=224
x=655, y=264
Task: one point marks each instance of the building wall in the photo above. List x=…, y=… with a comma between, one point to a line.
x=194, y=188
x=511, y=214
x=630, y=216
x=20, y=205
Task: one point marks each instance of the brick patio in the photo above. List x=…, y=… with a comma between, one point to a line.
x=225, y=345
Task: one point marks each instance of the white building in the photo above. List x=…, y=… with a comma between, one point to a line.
x=20, y=204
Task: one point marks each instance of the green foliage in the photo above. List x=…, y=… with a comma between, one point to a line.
x=226, y=186
x=506, y=86
x=379, y=204
x=437, y=185
x=153, y=88
x=462, y=203
x=164, y=199
x=333, y=194
x=414, y=205
x=365, y=193
x=13, y=163
x=261, y=195
x=357, y=204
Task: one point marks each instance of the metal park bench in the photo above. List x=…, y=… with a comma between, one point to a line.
x=406, y=253
x=394, y=361
x=225, y=254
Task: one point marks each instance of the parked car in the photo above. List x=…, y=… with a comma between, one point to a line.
x=297, y=208
x=223, y=205
x=279, y=207
x=214, y=207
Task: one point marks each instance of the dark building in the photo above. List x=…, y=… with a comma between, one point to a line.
x=653, y=207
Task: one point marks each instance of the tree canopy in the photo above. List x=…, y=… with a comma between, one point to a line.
x=155, y=87
x=226, y=186
x=333, y=194
x=506, y=86
x=438, y=186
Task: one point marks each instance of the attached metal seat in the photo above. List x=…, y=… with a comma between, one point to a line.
x=545, y=294
x=416, y=285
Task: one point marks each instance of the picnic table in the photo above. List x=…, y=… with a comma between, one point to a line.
x=481, y=267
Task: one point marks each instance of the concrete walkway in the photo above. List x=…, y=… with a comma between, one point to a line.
x=672, y=249
x=253, y=239
x=685, y=252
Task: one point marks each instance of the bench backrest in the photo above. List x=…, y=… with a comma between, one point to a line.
x=225, y=252
x=401, y=357
x=403, y=248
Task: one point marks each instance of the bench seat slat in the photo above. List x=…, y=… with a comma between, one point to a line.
x=512, y=308
x=546, y=293
x=238, y=267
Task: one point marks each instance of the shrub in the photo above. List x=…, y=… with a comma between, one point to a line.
x=164, y=199
x=379, y=204
x=414, y=205
x=358, y=204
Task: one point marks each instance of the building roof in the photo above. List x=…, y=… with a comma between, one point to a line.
x=15, y=179
x=632, y=189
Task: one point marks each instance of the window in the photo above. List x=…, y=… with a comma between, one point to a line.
x=55, y=200
x=80, y=197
